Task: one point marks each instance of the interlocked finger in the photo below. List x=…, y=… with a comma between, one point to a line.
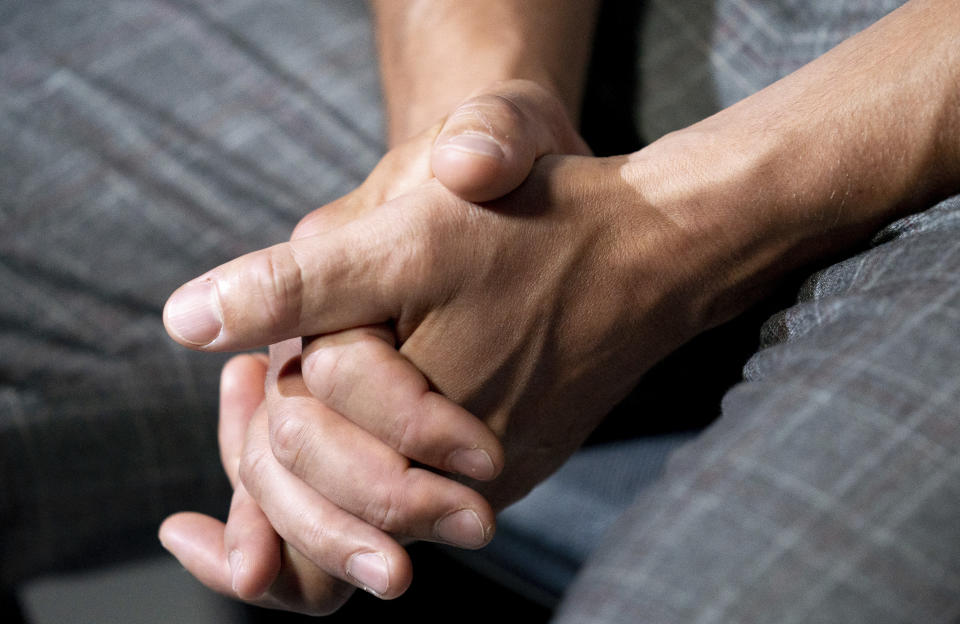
x=336, y=541
x=354, y=470
x=361, y=375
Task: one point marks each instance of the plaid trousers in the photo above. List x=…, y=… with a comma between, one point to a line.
x=143, y=142
x=828, y=490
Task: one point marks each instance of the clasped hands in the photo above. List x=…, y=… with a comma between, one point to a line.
x=443, y=338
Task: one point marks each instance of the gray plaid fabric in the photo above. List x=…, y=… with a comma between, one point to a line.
x=142, y=143
x=829, y=489
x=698, y=56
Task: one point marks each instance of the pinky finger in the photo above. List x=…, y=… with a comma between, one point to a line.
x=253, y=548
x=196, y=541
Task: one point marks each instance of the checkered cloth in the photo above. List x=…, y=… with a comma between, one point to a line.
x=829, y=489
x=142, y=143
x=145, y=141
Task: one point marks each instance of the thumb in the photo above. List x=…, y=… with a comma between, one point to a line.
x=488, y=145
x=363, y=273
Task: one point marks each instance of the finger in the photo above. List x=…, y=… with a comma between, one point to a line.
x=196, y=541
x=241, y=391
x=488, y=145
x=333, y=539
x=360, y=374
x=358, y=274
x=357, y=472
x=253, y=548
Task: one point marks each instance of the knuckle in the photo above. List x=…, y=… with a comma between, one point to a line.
x=278, y=282
x=401, y=431
x=402, y=436
x=313, y=533
x=322, y=370
x=386, y=510
x=289, y=437
x=254, y=463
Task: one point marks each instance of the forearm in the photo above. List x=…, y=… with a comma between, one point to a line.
x=436, y=53
x=820, y=160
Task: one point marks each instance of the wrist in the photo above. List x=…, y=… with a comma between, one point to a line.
x=434, y=55
x=816, y=163
x=742, y=215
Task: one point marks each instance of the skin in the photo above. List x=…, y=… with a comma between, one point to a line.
x=526, y=121
x=538, y=311
x=433, y=55
x=437, y=64
x=203, y=544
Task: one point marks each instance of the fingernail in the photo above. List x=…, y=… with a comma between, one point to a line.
x=370, y=571
x=475, y=144
x=462, y=528
x=193, y=313
x=236, y=560
x=473, y=463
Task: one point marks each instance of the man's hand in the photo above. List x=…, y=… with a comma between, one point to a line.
x=275, y=575
x=538, y=311
x=432, y=58
x=485, y=148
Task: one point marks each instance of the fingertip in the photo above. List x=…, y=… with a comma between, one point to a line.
x=475, y=463
x=464, y=528
x=403, y=575
x=240, y=369
x=163, y=535
x=193, y=538
x=474, y=176
x=452, y=439
x=173, y=531
x=196, y=541
x=254, y=550
x=249, y=579
x=373, y=572
x=192, y=315
x=253, y=360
